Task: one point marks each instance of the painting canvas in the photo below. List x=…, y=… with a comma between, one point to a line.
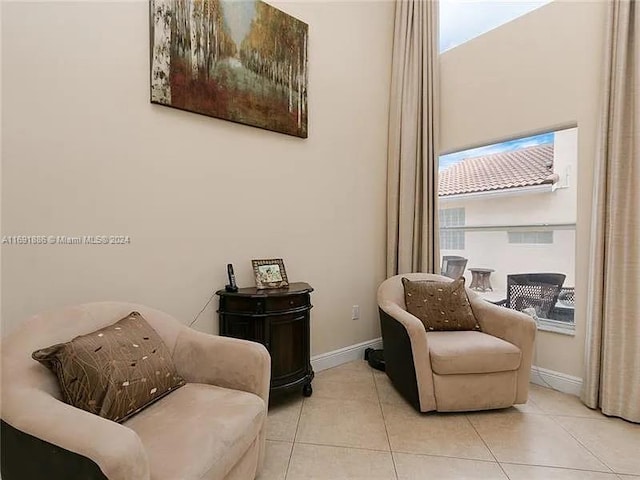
x=239, y=60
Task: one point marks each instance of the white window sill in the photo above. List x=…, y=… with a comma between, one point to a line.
x=563, y=328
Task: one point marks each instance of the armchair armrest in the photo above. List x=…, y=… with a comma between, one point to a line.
x=417, y=336
x=116, y=449
x=226, y=362
x=223, y=361
x=411, y=323
x=512, y=326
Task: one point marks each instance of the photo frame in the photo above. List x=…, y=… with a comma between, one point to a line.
x=270, y=273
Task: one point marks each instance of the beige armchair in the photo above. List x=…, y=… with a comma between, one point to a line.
x=461, y=370
x=211, y=428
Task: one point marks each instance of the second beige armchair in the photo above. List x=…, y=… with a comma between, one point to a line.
x=212, y=428
x=456, y=370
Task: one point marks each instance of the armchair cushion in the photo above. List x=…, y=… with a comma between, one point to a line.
x=115, y=371
x=455, y=353
x=441, y=306
x=199, y=431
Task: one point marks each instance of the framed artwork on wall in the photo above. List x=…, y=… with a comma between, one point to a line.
x=238, y=60
x=270, y=273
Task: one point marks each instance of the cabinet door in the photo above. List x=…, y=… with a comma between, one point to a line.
x=243, y=327
x=289, y=347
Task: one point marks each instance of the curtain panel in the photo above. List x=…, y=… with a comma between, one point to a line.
x=612, y=377
x=412, y=170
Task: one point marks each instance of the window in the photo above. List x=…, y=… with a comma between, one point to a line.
x=531, y=237
x=463, y=20
x=451, y=239
x=511, y=207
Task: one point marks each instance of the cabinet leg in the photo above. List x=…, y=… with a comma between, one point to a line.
x=307, y=390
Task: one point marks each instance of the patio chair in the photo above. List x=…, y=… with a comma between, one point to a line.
x=567, y=295
x=533, y=290
x=564, y=310
x=453, y=266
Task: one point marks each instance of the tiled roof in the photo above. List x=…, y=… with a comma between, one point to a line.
x=500, y=171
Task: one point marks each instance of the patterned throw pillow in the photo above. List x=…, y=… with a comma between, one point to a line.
x=113, y=372
x=440, y=306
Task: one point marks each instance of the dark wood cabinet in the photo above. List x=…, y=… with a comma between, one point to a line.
x=279, y=319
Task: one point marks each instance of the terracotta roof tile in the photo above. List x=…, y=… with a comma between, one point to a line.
x=499, y=171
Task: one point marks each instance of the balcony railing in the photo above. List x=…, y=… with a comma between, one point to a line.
x=495, y=247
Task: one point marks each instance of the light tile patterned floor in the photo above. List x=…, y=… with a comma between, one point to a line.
x=356, y=426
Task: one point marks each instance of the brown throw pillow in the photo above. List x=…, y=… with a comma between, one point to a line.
x=440, y=306
x=113, y=372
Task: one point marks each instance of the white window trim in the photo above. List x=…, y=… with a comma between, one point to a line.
x=550, y=325
x=555, y=326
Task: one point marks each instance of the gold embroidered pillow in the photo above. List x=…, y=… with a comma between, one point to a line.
x=113, y=372
x=441, y=306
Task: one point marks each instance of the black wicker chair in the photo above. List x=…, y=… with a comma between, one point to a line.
x=534, y=290
x=567, y=295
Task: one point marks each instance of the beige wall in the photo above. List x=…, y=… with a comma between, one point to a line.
x=537, y=73
x=85, y=153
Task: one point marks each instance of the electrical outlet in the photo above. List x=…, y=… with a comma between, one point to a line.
x=355, y=312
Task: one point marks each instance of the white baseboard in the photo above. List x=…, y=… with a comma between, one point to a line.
x=556, y=380
x=343, y=355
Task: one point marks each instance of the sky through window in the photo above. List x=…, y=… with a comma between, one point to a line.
x=509, y=146
x=462, y=20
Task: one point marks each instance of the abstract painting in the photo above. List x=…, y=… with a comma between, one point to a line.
x=239, y=60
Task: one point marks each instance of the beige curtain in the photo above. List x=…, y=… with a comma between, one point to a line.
x=612, y=379
x=412, y=172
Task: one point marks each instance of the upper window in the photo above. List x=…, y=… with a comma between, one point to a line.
x=515, y=145
x=463, y=20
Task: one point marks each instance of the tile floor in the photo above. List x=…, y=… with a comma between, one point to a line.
x=355, y=426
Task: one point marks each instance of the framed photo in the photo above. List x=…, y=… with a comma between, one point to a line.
x=270, y=273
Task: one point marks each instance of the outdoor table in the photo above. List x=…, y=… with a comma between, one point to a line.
x=481, y=279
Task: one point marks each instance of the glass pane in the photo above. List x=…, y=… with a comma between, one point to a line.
x=463, y=20
x=510, y=209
